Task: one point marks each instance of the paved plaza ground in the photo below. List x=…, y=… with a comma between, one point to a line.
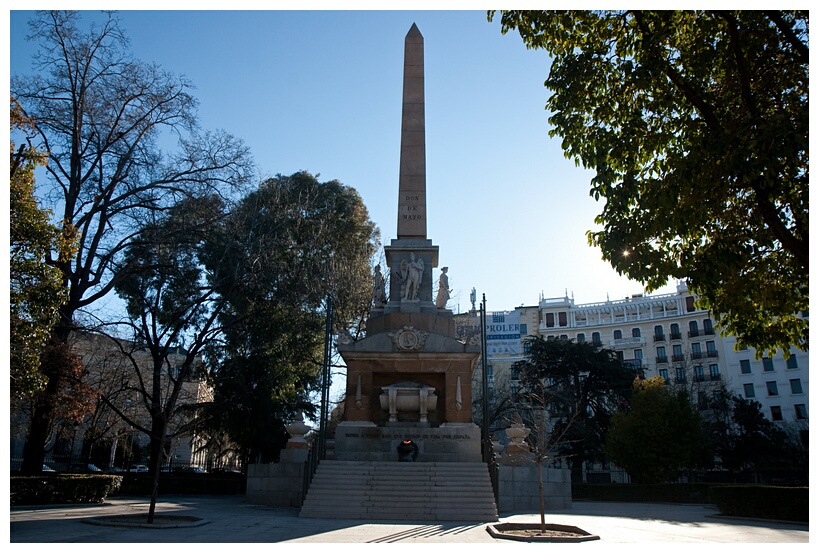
x=230, y=519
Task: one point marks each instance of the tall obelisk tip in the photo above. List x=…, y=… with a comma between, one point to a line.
x=412, y=186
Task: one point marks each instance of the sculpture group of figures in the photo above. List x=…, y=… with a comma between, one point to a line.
x=411, y=273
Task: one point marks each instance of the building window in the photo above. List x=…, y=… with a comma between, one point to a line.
x=675, y=332
x=772, y=390
x=692, y=329
x=490, y=376
x=711, y=349
x=714, y=370
x=564, y=336
x=767, y=364
x=792, y=362
x=796, y=386
x=498, y=317
x=524, y=329
x=596, y=339
x=744, y=366
x=776, y=413
x=749, y=390
x=581, y=338
x=561, y=319
x=689, y=304
x=550, y=320
x=638, y=354
x=661, y=358
x=527, y=346
x=699, y=374
x=696, y=351
x=801, y=411
x=707, y=326
x=664, y=374
x=618, y=334
x=620, y=355
x=680, y=374
x=515, y=373
x=702, y=400
x=514, y=387
x=676, y=352
x=658, y=333
x=743, y=347
x=635, y=332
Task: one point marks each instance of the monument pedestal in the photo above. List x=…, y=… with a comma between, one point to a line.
x=448, y=443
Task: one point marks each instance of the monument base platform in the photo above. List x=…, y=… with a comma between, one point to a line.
x=448, y=443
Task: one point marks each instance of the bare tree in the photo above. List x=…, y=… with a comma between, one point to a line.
x=101, y=116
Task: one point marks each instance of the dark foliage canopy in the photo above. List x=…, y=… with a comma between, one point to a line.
x=696, y=123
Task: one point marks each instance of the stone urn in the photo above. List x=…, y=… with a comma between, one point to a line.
x=297, y=429
x=517, y=434
x=408, y=397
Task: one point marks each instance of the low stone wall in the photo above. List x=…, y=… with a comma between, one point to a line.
x=278, y=484
x=517, y=488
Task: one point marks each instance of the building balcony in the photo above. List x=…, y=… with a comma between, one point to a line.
x=696, y=355
x=693, y=333
x=708, y=331
x=712, y=354
x=715, y=377
x=627, y=342
x=663, y=359
x=676, y=336
x=659, y=337
x=678, y=357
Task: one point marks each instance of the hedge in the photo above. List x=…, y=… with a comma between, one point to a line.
x=772, y=502
x=642, y=493
x=63, y=488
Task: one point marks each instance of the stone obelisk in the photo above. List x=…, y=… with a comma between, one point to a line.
x=412, y=253
x=412, y=179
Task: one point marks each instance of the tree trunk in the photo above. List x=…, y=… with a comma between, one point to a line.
x=539, y=468
x=157, y=445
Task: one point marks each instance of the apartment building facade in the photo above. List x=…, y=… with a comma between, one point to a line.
x=662, y=335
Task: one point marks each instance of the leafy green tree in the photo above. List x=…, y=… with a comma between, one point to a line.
x=282, y=251
x=753, y=444
x=37, y=290
x=696, y=123
x=580, y=385
x=99, y=114
x=173, y=317
x=658, y=436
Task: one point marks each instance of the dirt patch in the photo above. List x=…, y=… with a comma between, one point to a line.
x=555, y=533
x=161, y=521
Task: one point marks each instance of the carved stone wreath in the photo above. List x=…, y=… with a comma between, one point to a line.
x=408, y=339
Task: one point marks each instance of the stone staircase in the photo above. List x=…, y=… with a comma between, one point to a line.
x=401, y=491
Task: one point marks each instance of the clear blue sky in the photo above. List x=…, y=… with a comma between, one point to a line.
x=321, y=91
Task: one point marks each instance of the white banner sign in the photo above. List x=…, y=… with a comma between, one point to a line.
x=503, y=333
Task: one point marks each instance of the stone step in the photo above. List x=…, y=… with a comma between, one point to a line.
x=401, y=491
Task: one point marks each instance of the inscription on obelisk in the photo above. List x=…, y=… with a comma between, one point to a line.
x=412, y=180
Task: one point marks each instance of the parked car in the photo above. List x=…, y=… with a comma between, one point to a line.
x=224, y=470
x=114, y=470
x=190, y=468
x=84, y=467
x=138, y=468
x=47, y=468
